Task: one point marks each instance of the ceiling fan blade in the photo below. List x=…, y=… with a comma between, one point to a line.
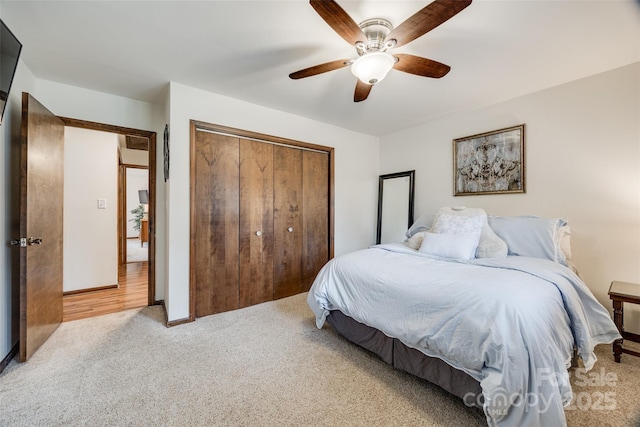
x=425, y=20
x=420, y=66
x=339, y=20
x=362, y=91
x=319, y=69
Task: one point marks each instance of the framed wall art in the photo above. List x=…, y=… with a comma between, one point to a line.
x=489, y=163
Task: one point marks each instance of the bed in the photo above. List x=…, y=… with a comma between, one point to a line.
x=496, y=326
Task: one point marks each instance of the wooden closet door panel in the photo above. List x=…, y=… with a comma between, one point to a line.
x=315, y=199
x=256, y=222
x=216, y=223
x=287, y=221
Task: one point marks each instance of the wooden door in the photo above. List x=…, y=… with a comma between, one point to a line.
x=259, y=230
x=287, y=221
x=41, y=221
x=215, y=225
x=256, y=222
x=315, y=196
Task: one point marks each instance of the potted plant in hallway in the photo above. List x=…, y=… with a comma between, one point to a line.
x=138, y=214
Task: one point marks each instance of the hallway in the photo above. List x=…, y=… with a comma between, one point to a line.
x=132, y=292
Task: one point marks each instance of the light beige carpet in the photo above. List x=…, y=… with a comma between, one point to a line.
x=266, y=365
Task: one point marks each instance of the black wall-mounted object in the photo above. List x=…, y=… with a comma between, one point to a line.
x=10, y=49
x=143, y=195
x=166, y=152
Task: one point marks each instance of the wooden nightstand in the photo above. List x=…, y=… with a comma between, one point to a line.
x=621, y=292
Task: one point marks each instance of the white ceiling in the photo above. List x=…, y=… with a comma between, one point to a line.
x=497, y=50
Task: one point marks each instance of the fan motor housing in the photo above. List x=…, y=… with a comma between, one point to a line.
x=376, y=30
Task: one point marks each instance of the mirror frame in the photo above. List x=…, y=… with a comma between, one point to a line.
x=411, y=174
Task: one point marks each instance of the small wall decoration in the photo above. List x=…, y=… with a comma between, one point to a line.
x=166, y=152
x=489, y=163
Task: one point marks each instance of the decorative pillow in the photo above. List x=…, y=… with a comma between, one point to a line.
x=446, y=245
x=421, y=224
x=464, y=225
x=489, y=245
x=415, y=241
x=534, y=236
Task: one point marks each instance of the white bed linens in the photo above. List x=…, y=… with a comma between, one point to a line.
x=508, y=322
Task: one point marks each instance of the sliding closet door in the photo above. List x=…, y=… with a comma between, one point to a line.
x=315, y=200
x=256, y=222
x=287, y=221
x=261, y=217
x=216, y=222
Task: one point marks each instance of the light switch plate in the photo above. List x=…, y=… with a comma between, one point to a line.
x=102, y=203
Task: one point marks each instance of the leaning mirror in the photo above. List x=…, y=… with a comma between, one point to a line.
x=395, y=206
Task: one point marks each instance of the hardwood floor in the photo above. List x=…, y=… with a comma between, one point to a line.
x=132, y=292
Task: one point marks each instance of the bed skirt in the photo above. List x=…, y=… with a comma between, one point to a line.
x=398, y=355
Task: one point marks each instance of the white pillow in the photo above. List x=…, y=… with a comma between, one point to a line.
x=464, y=225
x=563, y=237
x=489, y=245
x=415, y=241
x=445, y=245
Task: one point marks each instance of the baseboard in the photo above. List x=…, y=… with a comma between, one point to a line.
x=166, y=316
x=164, y=310
x=178, y=322
x=83, y=291
x=5, y=362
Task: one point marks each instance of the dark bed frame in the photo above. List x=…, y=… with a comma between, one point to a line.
x=398, y=355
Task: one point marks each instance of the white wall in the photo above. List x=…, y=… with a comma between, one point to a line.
x=582, y=156
x=137, y=179
x=356, y=174
x=84, y=104
x=90, y=233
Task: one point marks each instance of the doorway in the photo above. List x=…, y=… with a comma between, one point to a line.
x=133, y=185
x=136, y=281
x=39, y=218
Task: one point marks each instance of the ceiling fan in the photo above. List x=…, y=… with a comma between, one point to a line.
x=373, y=39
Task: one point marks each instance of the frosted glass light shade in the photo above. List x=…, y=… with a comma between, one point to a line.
x=372, y=67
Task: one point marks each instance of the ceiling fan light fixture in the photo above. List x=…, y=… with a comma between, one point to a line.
x=372, y=67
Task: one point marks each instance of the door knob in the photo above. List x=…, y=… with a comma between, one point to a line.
x=258, y=233
x=290, y=229
x=24, y=241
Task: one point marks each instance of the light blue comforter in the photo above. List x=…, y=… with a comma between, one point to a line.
x=510, y=323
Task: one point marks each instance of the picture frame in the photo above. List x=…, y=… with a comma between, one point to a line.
x=490, y=162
